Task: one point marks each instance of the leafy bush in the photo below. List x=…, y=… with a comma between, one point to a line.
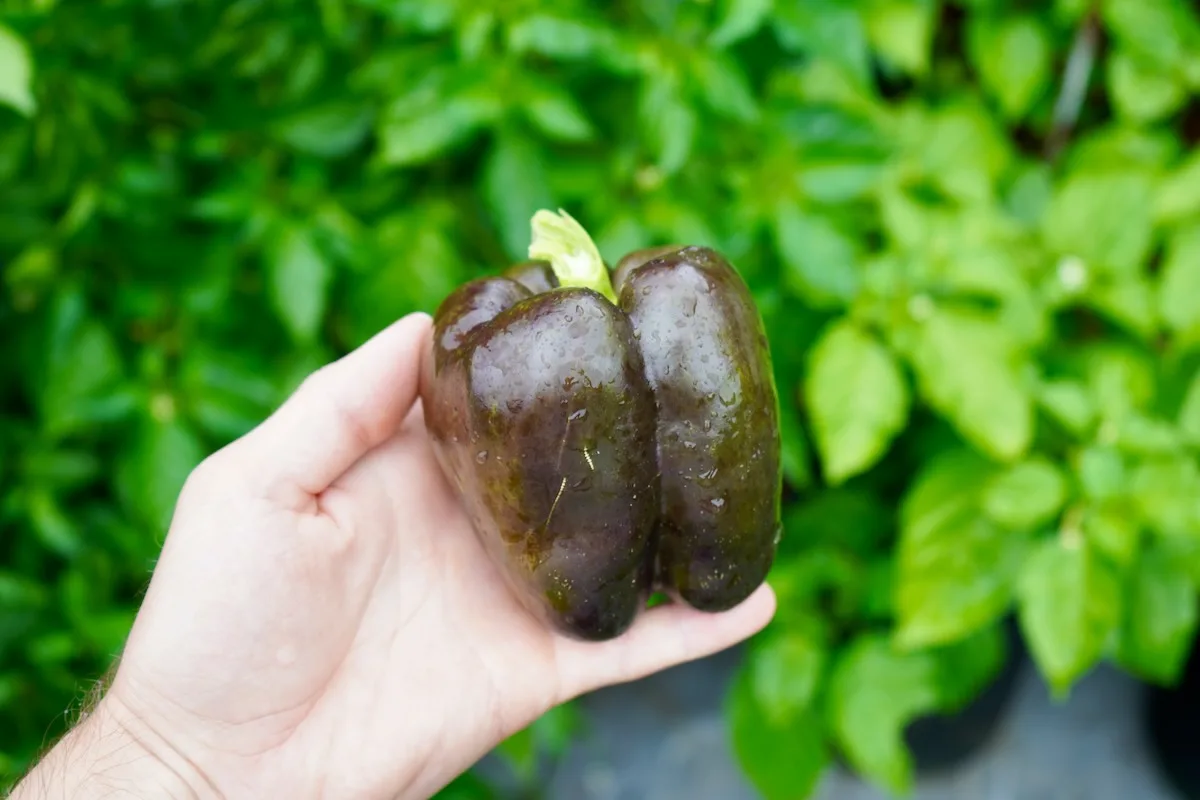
x=973, y=229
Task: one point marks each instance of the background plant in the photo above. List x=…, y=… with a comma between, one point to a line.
x=973, y=229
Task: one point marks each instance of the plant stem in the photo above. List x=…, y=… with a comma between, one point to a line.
x=572, y=254
x=1076, y=76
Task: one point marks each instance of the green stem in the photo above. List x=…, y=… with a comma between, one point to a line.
x=572, y=254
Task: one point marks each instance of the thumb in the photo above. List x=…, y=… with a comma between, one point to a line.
x=339, y=413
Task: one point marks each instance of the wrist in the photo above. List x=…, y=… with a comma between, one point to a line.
x=112, y=754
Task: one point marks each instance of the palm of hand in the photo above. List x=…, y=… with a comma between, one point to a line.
x=324, y=622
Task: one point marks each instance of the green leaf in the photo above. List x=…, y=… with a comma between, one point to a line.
x=657, y=599
x=1185, y=553
x=1178, y=193
x=838, y=181
x=739, y=19
x=1027, y=495
x=20, y=594
x=1029, y=193
x=967, y=667
x=874, y=693
x=853, y=519
x=668, y=123
x=467, y=786
x=1070, y=606
x=155, y=466
x=329, y=131
x=556, y=114
x=902, y=32
x=418, y=267
x=786, y=672
x=1100, y=471
x=59, y=468
x=877, y=591
x=622, y=234
x=514, y=183
x=559, y=37
x=549, y=734
x=1144, y=435
x=943, y=590
x=1160, y=618
x=299, y=278
x=1123, y=149
x=1069, y=403
x=1140, y=92
x=1113, y=531
x=1129, y=302
x=226, y=392
x=795, y=455
x=857, y=398
x=1102, y=218
x=907, y=223
x=16, y=72
x=959, y=149
x=968, y=371
x=53, y=649
x=1121, y=379
x=826, y=29
x=1189, y=413
x=1162, y=32
x=1179, y=287
x=419, y=132
x=82, y=381
x=783, y=756
x=818, y=582
x=1167, y=493
x=57, y=531
x=1012, y=56
x=10, y=688
x=475, y=34
x=974, y=271
x=818, y=257
x=724, y=86
x=1072, y=11
x=521, y=752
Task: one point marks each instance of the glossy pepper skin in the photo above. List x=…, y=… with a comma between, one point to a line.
x=604, y=451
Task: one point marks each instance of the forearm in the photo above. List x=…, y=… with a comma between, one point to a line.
x=109, y=755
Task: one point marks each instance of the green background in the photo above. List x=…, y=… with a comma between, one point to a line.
x=973, y=229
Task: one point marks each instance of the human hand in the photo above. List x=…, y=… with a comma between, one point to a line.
x=323, y=621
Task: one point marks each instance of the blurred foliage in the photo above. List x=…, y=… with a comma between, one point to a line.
x=973, y=229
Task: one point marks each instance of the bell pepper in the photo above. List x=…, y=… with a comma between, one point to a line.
x=611, y=433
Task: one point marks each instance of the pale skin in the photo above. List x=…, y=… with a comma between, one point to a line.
x=323, y=622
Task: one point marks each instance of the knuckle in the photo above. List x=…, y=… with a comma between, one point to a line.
x=362, y=431
x=361, y=428
x=206, y=475
x=312, y=382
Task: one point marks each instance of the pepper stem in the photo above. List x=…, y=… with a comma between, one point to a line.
x=572, y=254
